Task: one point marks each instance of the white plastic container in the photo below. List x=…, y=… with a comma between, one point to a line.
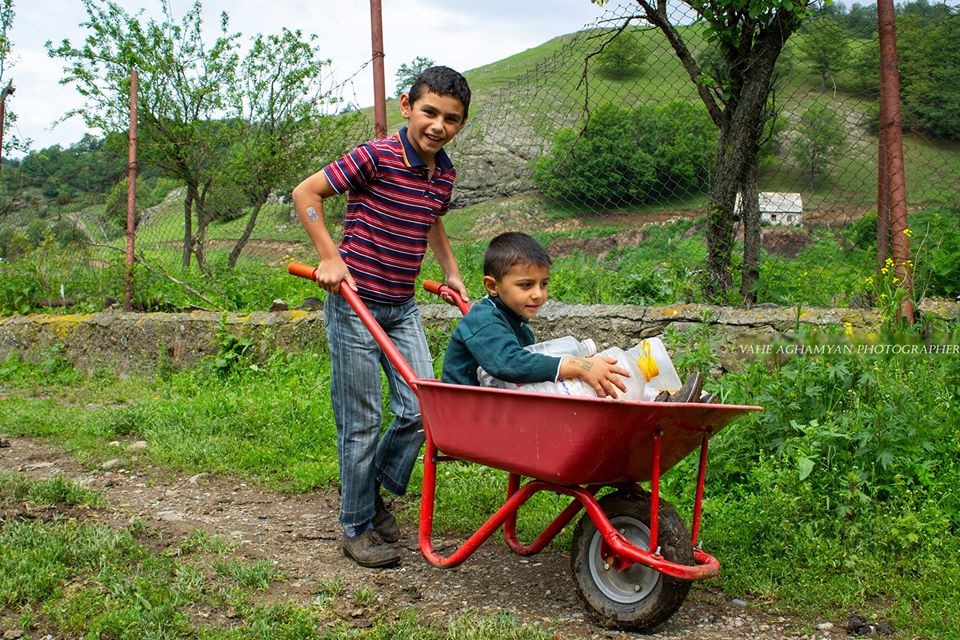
x=576, y=387
x=655, y=366
x=568, y=387
x=635, y=383
x=565, y=346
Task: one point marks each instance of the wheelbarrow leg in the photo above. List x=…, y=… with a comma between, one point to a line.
x=548, y=534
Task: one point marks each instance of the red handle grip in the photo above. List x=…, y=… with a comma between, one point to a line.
x=443, y=290
x=433, y=286
x=302, y=270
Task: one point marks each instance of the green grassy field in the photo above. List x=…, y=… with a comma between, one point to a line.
x=842, y=495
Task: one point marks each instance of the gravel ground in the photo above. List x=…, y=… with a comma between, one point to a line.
x=300, y=535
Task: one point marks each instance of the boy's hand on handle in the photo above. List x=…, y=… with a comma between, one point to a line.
x=456, y=283
x=330, y=273
x=600, y=372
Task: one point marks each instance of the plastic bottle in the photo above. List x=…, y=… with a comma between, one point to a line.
x=565, y=346
x=655, y=366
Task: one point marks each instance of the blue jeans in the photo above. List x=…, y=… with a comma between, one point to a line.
x=366, y=457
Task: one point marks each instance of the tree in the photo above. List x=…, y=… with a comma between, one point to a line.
x=407, y=73
x=825, y=48
x=182, y=84
x=819, y=139
x=749, y=37
x=285, y=128
x=8, y=142
x=622, y=57
x=929, y=60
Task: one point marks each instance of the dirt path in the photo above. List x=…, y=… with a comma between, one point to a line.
x=301, y=535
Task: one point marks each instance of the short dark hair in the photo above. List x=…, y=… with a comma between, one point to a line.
x=513, y=248
x=442, y=81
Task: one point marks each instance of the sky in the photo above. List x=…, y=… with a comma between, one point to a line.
x=463, y=34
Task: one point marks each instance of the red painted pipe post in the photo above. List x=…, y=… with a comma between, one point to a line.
x=379, y=85
x=131, y=191
x=892, y=136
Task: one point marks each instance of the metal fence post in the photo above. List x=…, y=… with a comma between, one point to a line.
x=892, y=140
x=379, y=88
x=131, y=191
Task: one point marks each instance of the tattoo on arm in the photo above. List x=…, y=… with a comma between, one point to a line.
x=312, y=214
x=586, y=365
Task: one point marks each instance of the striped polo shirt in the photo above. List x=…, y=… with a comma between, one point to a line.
x=391, y=205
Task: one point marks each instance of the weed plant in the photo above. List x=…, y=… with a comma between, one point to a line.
x=833, y=269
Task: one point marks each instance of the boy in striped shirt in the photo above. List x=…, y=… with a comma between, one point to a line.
x=397, y=190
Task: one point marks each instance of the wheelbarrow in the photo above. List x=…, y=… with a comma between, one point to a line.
x=633, y=558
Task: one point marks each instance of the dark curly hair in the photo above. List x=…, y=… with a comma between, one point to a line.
x=442, y=81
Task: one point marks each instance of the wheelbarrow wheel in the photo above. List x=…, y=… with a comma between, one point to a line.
x=638, y=598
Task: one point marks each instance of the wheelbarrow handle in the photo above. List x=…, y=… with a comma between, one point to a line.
x=443, y=290
x=389, y=349
x=302, y=270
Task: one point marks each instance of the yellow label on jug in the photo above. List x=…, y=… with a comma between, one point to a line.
x=646, y=363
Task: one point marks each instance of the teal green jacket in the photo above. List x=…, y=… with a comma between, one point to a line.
x=493, y=337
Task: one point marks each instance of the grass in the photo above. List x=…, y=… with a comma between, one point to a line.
x=87, y=579
x=842, y=495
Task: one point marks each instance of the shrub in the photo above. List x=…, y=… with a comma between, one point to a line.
x=669, y=146
x=936, y=246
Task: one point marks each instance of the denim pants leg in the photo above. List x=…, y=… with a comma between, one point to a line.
x=365, y=458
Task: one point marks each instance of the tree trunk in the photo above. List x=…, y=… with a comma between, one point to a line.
x=203, y=220
x=247, y=232
x=750, y=214
x=737, y=156
x=188, y=201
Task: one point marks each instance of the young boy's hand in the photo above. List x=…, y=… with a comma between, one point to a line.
x=600, y=372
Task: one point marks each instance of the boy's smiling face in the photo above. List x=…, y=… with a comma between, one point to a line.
x=432, y=121
x=523, y=289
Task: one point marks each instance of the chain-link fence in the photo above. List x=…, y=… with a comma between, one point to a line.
x=609, y=132
x=602, y=143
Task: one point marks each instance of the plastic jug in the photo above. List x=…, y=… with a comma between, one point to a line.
x=636, y=383
x=565, y=346
x=655, y=366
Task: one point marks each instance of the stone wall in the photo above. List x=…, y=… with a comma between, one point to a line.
x=141, y=341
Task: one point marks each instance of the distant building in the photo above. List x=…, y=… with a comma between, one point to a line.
x=778, y=208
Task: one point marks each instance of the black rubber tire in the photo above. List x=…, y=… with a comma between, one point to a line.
x=639, y=598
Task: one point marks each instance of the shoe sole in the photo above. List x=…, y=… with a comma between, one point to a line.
x=373, y=565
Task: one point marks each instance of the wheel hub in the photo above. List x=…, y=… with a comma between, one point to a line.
x=628, y=585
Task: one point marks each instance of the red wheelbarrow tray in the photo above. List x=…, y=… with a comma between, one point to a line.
x=564, y=439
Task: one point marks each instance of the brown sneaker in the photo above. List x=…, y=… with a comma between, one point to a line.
x=384, y=523
x=369, y=550
x=690, y=391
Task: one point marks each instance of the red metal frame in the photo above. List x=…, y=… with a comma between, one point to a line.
x=621, y=552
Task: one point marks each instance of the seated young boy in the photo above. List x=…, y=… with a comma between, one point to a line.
x=516, y=272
